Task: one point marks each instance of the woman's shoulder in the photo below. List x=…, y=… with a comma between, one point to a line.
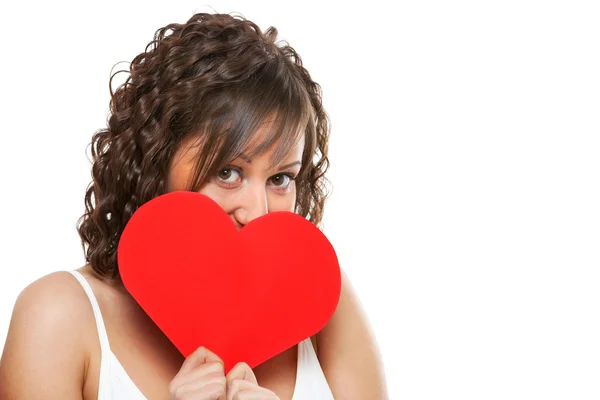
x=51, y=299
x=57, y=302
x=48, y=337
x=359, y=371
x=54, y=307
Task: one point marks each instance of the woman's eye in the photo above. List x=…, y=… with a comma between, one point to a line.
x=226, y=173
x=230, y=177
x=282, y=180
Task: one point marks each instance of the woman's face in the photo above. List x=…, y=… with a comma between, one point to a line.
x=245, y=189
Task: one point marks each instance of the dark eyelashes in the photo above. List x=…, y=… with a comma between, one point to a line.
x=290, y=175
x=230, y=167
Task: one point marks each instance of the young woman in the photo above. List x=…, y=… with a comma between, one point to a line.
x=215, y=106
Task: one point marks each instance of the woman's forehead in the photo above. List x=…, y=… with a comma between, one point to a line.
x=194, y=147
x=293, y=151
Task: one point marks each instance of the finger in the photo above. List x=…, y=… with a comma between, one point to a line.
x=244, y=390
x=201, y=356
x=202, y=372
x=213, y=388
x=242, y=371
x=255, y=396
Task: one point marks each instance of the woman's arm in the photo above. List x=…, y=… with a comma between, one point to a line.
x=348, y=352
x=43, y=356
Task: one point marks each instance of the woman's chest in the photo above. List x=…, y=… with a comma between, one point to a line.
x=151, y=361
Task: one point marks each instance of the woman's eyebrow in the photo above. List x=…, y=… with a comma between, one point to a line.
x=245, y=158
x=249, y=161
x=290, y=164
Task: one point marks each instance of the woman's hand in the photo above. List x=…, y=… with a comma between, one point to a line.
x=242, y=385
x=202, y=377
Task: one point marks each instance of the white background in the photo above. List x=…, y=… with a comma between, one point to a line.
x=465, y=159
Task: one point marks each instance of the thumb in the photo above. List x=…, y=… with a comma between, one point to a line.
x=242, y=371
x=201, y=356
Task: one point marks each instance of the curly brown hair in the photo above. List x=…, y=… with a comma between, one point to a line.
x=217, y=77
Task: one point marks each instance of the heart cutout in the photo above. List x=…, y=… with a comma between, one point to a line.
x=246, y=296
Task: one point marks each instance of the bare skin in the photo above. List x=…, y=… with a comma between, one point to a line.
x=52, y=348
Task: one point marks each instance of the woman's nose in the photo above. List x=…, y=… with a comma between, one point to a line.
x=253, y=204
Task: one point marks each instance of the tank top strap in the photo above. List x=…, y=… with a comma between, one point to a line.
x=310, y=379
x=104, y=344
x=105, y=352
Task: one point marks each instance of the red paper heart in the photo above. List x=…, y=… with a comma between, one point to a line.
x=247, y=295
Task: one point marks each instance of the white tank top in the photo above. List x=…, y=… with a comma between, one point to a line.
x=115, y=384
